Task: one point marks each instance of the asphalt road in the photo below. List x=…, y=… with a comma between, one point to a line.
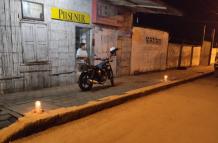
x=184, y=114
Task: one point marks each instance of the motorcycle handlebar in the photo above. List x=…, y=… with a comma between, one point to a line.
x=104, y=59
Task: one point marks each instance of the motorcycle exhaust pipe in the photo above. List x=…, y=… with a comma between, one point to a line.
x=93, y=81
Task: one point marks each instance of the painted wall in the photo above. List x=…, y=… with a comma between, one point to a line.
x=103, y=13
x=173, y=55
x=186, y=56
x=183, y=55
x=125, y=45
x=105, y=38
x=196, y=56
x=37, y=54
x=124, y=56
x=213, y=55
x=205, y=53
x=149, y=50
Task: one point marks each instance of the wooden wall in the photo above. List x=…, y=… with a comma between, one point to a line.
x=105, y=38
x=48, y=59
x=10, y=46
x=118, y=34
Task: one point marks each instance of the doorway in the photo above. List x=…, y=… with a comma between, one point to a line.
x=83, y=36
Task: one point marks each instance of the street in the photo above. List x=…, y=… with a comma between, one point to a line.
x=105, y=71
x=184, y=114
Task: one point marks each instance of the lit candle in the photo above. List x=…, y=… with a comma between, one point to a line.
x=166, y=78
x=38, y=107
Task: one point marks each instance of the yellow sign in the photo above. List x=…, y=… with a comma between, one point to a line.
x=69, y=15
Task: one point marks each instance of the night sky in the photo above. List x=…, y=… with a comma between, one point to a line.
x=188, y=28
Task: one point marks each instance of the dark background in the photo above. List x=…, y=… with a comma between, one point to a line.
x=188, y=28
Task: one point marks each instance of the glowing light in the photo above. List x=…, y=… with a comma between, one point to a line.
x=165, y=77
x=137, y=20
x=38, y=107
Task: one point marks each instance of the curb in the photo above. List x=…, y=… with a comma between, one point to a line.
x=32, y=123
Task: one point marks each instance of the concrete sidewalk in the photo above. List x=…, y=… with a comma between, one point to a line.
x=17, y=104
x=65, y=99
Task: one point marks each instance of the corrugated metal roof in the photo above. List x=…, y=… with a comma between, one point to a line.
x=148, y=6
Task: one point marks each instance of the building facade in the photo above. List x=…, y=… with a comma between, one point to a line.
x=112, y=27
x=149, y=50
x=38, y=42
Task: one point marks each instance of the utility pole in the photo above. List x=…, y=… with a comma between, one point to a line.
x=204, y=32
x=202, y=45
x=212, y=42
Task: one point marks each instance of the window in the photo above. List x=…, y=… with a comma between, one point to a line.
x=35, y=42
x=32, y=10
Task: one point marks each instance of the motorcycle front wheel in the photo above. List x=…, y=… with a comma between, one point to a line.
x=84, y=82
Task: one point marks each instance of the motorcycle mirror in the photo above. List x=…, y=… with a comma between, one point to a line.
x=113, y=51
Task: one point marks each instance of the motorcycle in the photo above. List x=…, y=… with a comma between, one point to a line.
x=97, y=74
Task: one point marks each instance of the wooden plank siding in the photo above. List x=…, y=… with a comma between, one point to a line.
x=37, y=54
x=10, y=46
x=105, y=38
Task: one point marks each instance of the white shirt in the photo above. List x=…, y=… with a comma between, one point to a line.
x=81, y=54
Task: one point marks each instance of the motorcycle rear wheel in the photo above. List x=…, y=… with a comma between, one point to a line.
x=84, y=82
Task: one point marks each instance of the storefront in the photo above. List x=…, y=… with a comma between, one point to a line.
x=41, y=41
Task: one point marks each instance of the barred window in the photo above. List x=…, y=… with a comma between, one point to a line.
x=32, y=10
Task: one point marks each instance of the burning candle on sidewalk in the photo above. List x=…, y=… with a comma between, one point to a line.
x=38, y=107
x=165, y=78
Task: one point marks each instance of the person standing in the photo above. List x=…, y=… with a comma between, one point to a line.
x=81, y=58
x=82, y=54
